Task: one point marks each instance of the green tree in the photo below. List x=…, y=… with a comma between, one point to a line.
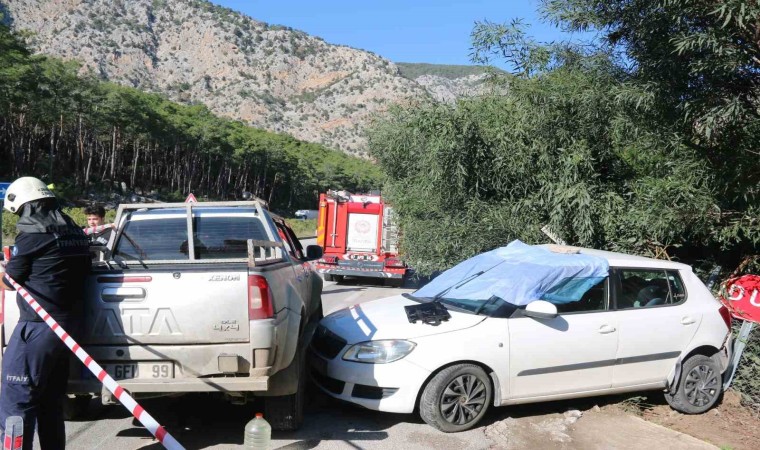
x=577, y=139
x=88, y=135
x=693, y=68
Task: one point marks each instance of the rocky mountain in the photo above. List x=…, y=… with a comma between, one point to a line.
x=448, y=90
x=271, y=77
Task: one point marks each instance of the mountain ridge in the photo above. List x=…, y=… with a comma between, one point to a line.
x=269, y=76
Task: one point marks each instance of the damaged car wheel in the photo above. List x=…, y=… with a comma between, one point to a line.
x=456, y=398
x=699, y=387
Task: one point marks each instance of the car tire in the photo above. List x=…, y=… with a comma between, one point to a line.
x=285, y=412
x=456, y=398
x=338, y=278
x=699, y=387
x=327, y=277
x=76, y=406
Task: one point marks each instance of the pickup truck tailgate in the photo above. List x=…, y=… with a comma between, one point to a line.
x=180, y=305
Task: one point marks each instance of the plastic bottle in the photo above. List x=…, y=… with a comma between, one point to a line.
x=258, y=433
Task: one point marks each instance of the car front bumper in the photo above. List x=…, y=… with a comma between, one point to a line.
x=391, y=387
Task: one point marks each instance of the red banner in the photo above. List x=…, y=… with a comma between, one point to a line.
x=742, y=296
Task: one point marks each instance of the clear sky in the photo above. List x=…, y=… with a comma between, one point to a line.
x=430, y=31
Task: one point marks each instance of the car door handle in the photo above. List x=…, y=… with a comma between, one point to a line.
x=606, y=329
x=687, y=320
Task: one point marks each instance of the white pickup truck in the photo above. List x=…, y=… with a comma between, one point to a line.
x=198, y=297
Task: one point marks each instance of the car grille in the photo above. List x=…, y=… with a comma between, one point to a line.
x=372, y=392
x=330, y=384
x=326, y=343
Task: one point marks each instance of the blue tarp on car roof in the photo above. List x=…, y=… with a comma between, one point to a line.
x=520, y=273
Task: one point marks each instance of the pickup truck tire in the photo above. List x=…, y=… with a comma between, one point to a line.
x=76, y=406
x=328, y=277
x=285, y=412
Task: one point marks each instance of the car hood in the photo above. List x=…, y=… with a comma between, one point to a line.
x=386, y=319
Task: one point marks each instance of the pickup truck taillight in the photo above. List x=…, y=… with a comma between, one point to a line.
x=259, y=298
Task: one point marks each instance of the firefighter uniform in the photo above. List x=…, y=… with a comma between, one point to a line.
x=52, y=264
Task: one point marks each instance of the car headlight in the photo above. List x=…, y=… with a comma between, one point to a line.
x=379, y=352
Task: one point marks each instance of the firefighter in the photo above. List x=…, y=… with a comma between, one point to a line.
x=51, y=260
x=96, y=215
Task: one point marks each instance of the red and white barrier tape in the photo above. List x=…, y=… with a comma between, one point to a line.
x=98, y=228
x=132, y=406
x=13, y=442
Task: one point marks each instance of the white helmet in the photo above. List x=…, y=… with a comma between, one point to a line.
x=24, y=190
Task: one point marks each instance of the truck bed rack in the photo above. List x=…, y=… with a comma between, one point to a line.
x=260, y=252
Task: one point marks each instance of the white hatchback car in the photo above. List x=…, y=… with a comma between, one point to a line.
x=647, y=324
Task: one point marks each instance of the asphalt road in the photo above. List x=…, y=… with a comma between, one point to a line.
x=201, y=421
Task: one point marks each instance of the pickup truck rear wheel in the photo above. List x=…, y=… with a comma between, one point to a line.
x=285, y=412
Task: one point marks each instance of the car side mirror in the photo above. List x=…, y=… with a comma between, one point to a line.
x=313, y=252
x=541, y=309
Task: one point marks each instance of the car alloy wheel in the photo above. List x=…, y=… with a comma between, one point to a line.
x=701, y=385
x=456, y=398
x=463, y=399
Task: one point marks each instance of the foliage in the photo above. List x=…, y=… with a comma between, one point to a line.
x=303, y=228
x=65, y=128
x=8, y=227
x=694, y=69
x=555, y=151
x=414, y=70
x=77, y=214
x=584, y=141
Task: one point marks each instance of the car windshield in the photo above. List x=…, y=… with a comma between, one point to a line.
x=489, y=307
x=515, y=275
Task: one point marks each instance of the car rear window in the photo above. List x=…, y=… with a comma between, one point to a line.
x=225, y=237
x=166, y=238
x=158, y=239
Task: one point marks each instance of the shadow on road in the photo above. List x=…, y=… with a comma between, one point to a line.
x=200, y=421
x=338, y=291
x=632, y=401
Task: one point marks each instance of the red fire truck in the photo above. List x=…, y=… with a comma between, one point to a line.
x=359, y=238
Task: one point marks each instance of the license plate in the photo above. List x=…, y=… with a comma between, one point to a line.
x=142, y=370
